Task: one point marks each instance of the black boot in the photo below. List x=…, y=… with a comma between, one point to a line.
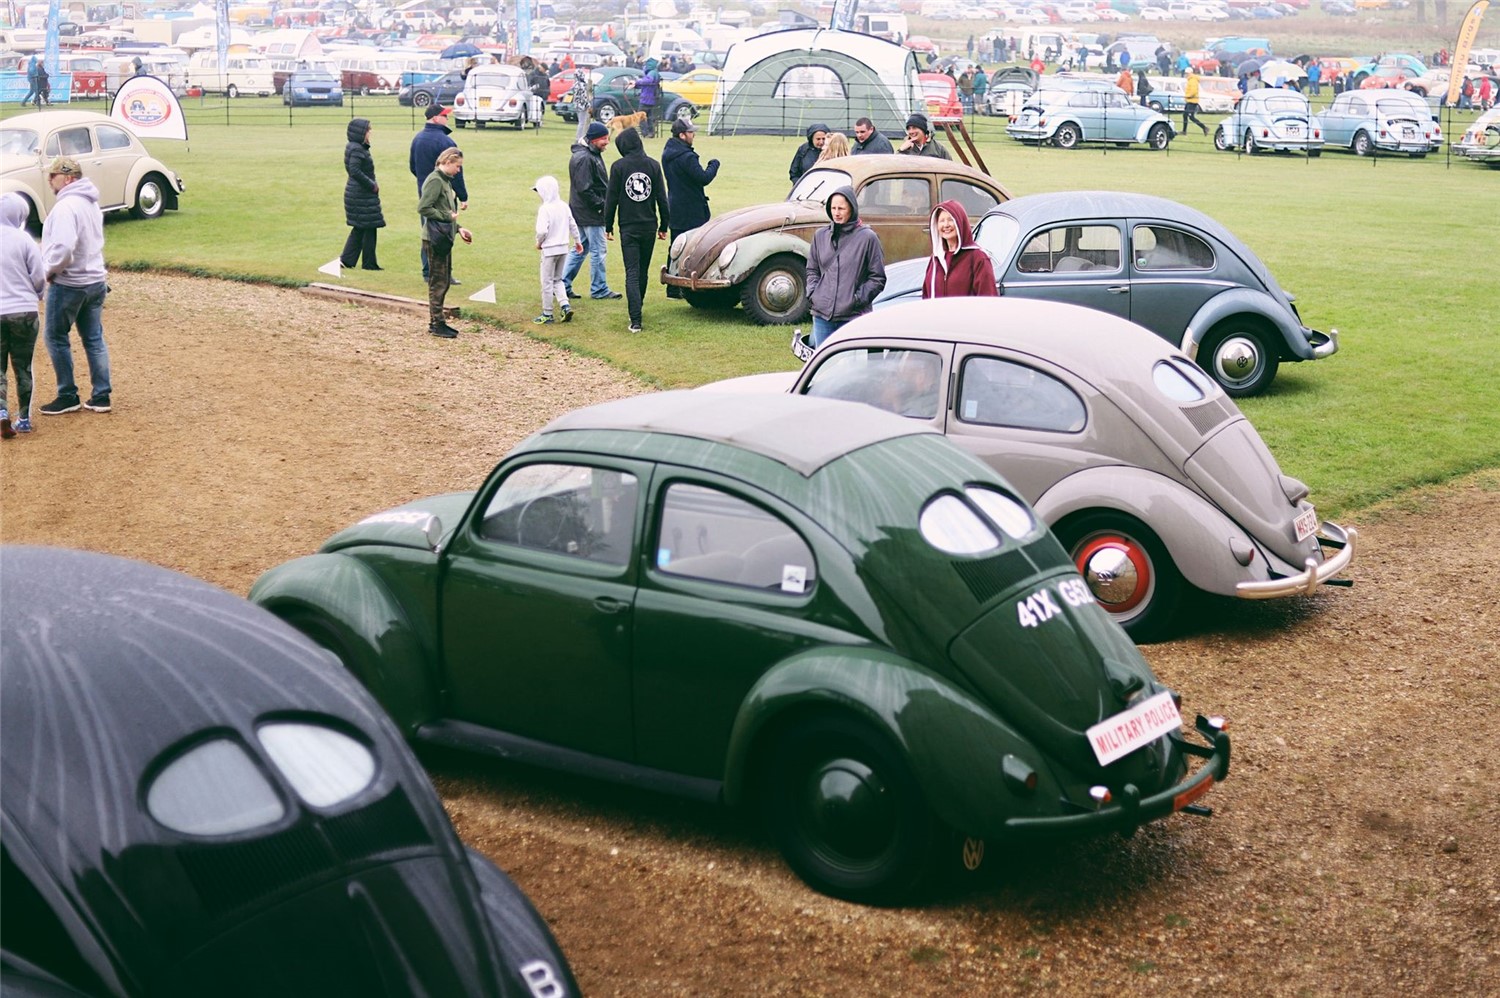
x=442, y=329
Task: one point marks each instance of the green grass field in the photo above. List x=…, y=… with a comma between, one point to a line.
x=1398, y=255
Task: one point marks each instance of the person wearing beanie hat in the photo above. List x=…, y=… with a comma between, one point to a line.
x=426, y=146
x=686, y=179
x=919, y=140
x=588, y=184
x=808, y=153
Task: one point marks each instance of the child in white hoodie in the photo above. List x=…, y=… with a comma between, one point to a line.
x=556, y=233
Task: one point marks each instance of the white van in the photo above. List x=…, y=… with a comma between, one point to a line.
x=674, y=41
x=482, y=18
x=242, y=73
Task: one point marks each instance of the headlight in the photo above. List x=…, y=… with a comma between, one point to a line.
x=678, y=245
x=726, y=256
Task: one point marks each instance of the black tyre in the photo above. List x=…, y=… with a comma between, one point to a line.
x=1127, y=569
x=715, y=299
x=1221, y=139
x=1362, y=145
x=682, y=111
x=847, y=813
x=1159, y=137
x=776, y=292
x=1249, y=145
x=364, y=91
x=421, y=99
x=1067, y=136
x=520, y=122
x=606, y=112
x=1157, y=106
x=1239, y=355
x=150, y=197
x=232, y=91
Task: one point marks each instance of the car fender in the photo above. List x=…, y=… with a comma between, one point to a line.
x=10, y=185
x=1195, y=533
x=1237, y=301
x=344, y=599
x=956, y=746
x=1145, y=127
x=1053, y=121
x=147, y=165
x=758, y=247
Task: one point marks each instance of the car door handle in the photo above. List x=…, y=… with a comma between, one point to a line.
x=608, y=604
x=1118, y=289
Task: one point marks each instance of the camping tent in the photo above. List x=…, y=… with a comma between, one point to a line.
x=783, y=81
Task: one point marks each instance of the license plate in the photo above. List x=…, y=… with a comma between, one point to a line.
x=1408, y=133
x=318, y=96
x=484, y=102
x=1306, y=523
x=1116, y=737
x=1294, y=129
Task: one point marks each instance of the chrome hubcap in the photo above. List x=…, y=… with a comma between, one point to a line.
x=1112, y=576
x=1237, y=361
x=779, y=291
x=150, y=198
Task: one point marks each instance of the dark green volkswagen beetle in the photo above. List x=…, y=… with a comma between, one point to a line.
x=812, y=608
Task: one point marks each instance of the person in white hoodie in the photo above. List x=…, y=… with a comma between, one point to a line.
x=556, y=233
x=73, y=256
x=22, y=281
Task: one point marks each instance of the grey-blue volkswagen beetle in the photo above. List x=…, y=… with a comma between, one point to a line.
x=1153, y=261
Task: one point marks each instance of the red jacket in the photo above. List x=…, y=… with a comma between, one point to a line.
x=966, y=272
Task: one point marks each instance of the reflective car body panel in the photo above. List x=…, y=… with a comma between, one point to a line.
x=233, y=812
x=656, y=591
x=1390, y=121
x=1153, y=261
x=111, y=156
x=1275, y=120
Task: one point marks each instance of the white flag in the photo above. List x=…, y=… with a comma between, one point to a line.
x=486, y=293
x=332, y=268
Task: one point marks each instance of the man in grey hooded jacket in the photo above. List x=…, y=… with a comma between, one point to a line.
x=73, y=256
x=845, y=267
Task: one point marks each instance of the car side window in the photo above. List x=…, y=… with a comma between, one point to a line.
x=1071, y=248
x=896, y=196
x=709, y=534
x=70, y=142
x=905, y=382
x=576, y=510
x=976, y=200
x=1084, y=98
x=1158, y=247
x=1116, y=100
x=995, y=392
x=111, y=137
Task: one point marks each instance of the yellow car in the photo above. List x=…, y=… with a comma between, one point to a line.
x=691, y=92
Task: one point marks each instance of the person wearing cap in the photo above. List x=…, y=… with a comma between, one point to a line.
x=426, y=145
x=807, y=154
x=73, y=258
x=919, y=140
x=588, y=187
x=22, y=281
x=686, y=178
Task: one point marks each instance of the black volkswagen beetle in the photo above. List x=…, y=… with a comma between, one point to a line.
x=197, y=800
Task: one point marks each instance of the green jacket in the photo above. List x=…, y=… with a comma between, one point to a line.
x=438, y=201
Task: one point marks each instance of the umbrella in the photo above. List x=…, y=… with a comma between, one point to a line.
x=460, y=50
x=1248, y=66
x=1277, y=68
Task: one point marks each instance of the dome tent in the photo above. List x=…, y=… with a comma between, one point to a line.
x=781, y=82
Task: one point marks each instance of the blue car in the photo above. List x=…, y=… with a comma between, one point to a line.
x=1368, y=121
x=1271, y=120
x=1066, y=118
x=311, y=88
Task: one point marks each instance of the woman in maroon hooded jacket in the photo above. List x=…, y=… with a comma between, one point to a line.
x=958, y=267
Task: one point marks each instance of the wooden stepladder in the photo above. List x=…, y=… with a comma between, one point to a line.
x=969, y=158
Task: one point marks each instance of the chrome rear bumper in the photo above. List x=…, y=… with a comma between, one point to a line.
x=1314, y=573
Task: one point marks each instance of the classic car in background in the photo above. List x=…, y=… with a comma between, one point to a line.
x=442, y=90
x=1167, y=96
x=676, y=591
x=690, y=93
x=940, y=97
x=1481, y=141
x=1271, y=120
x=128, y=177
x=495, y=93
x=1393, y=121
x=1160, y=264
x=1149, y=476
x=1067, y=118
x=758, y=255
x=198, y=800
x=614, y=93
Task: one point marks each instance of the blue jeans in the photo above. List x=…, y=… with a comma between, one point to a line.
x=824, y=328
x=84, y=307
x=593, y=243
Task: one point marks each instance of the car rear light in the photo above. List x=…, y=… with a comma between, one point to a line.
x=1100, y=796
x=1218, y=723
x=1265, y=133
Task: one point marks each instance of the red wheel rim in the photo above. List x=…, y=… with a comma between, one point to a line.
x=1091, y=560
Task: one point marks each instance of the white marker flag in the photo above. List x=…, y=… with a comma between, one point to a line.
x=332, y=268
x=147, y=107
x=486, y=293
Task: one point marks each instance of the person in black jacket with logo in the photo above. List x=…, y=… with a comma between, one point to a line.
x=638, y=195
x=361, y=198
x=685, y=182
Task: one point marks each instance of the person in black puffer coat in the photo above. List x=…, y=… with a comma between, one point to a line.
x=361, y=198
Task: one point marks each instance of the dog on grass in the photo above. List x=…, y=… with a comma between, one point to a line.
x=620, y=122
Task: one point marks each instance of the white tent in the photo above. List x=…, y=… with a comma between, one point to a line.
x=781, y=82
x=287, y=44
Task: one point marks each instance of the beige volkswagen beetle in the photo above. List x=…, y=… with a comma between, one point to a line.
x=128, y=177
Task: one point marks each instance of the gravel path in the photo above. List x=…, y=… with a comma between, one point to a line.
x=1355, y=848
